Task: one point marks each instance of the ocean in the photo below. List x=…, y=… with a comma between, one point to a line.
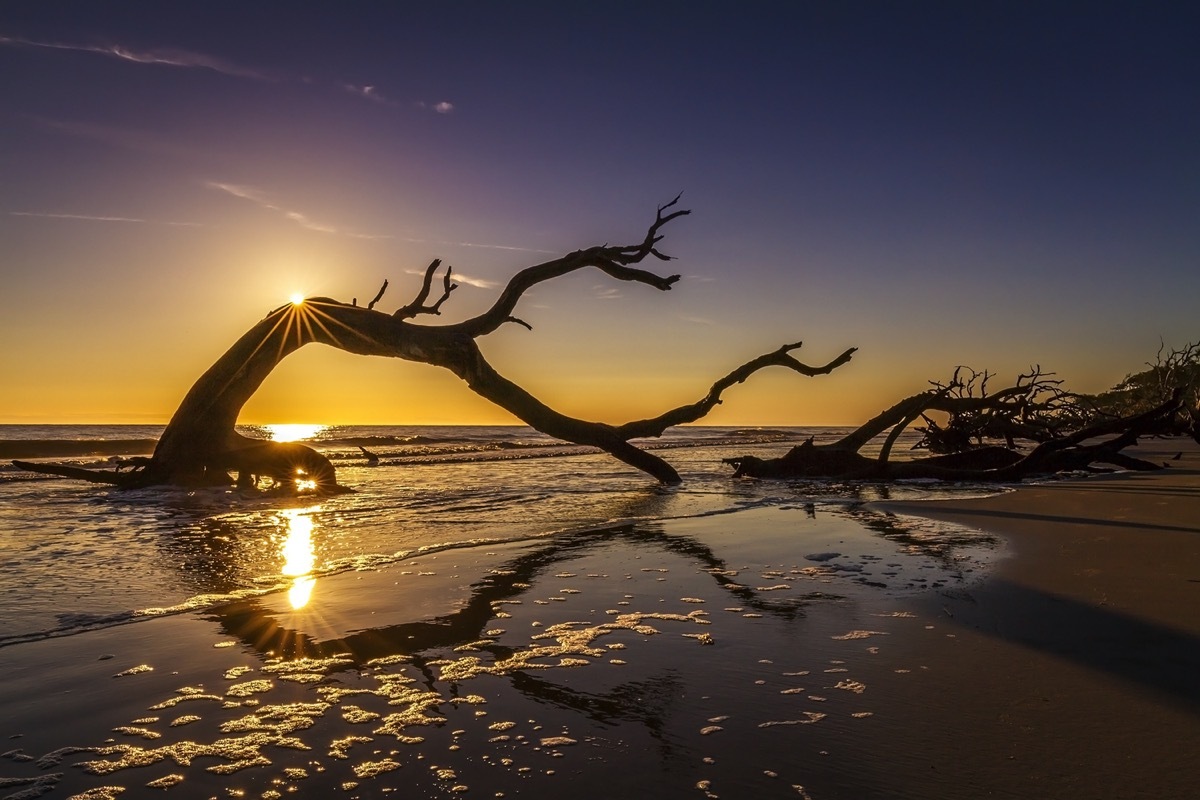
x=76, y=557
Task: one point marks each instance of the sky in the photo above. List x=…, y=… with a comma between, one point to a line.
x=995, y=184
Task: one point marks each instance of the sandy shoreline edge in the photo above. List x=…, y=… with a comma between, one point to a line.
x=1068, y=671
x=1077, y=663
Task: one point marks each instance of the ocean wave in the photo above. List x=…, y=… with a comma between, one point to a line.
x=760, y=433
x=74, y=448
x=409, y=443
x=379, y=441
x=86, y=442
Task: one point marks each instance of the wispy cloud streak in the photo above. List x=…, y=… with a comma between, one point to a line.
x=262, y=200
x=695, y=320
x=478, y=283
x=479, y=245
x=165, y=57
x=367, y=93
x=125, y=138
x=105, y=218
x=172, y=57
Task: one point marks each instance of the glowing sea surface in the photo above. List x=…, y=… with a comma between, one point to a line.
x=76, y=557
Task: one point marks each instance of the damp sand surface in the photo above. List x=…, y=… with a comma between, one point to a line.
x=738, y=655
x=1072, y=671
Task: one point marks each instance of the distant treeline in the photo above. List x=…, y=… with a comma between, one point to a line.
x=1170, y=370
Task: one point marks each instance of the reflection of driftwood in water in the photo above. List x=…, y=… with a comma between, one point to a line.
x=940, y=550
x=1071, y=452
x=647, y=702
x=427, y=642
x=250, y=622
x=200, y=446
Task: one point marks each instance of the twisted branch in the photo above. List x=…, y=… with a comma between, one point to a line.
x=417, y=306
x=694, y=411
x=614, y=261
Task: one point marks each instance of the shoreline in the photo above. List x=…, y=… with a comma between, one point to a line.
x=721, y=656
x=1077, y=662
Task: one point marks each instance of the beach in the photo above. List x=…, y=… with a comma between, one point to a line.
x=1075, y=665
x=1040, y=643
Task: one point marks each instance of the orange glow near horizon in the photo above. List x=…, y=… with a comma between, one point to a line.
x=610, y=378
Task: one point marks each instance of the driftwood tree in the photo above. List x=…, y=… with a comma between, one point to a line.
x=200, y=446
x=1035, y=407
x=1065, y=436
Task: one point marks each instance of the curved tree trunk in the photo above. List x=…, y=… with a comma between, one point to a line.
x=200, y=446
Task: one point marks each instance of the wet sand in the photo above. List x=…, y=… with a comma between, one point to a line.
x=730, y=656
x=1074, y=671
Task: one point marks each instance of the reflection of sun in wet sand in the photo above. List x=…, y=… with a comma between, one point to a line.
x=298, y=557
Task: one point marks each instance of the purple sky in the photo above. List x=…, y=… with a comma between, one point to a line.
x=995, y=184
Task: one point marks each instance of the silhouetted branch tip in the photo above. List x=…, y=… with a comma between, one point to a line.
x=520, y=322
x=378, y=295
x=417, y=306
x=661, y=220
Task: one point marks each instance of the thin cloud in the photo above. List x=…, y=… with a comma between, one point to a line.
x=261, y=199
x=105, y=218
x=694, y=320
x=447, y=243
x=125, y=138
x=478, y=283
x=367, y=93
x=607, y=293
x=165, y=57
x=244, y=192
x=499, y=247
x=172, y=57
x=305, y=222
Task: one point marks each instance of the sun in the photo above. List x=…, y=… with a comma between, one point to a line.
x=297, y=298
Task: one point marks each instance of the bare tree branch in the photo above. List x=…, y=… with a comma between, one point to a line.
x=614, y=261
x=417, y=305
x=690, y=413
x=378, y=295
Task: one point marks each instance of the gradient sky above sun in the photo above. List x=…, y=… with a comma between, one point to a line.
x=996, y=184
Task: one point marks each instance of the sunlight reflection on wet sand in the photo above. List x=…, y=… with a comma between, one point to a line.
x=298, y=556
